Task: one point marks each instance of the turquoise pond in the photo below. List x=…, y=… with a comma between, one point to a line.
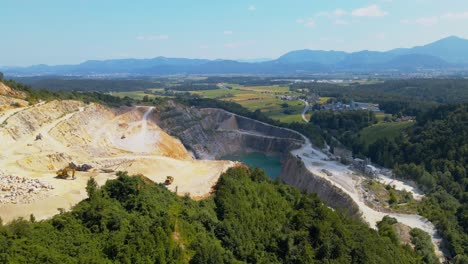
x=270, y=163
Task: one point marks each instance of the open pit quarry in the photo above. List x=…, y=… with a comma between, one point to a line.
x=109, y=140
x=213, y=133
x=166, y=140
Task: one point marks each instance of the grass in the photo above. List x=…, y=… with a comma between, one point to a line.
x=383, y=130
x=251, y=97
x=404, y=201
x=217, y=93
x=323, y=100
x=260, y=97
x=288, y=118
x=138, y=95
x=380, y=116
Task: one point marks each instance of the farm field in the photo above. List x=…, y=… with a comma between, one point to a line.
x=138, y=95
x=264, y=98
x=383, y=130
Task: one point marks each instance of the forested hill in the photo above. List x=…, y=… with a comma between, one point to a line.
x=250, y=219
x=34, y=95
x=433, y=152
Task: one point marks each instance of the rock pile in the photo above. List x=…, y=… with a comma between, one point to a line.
x=20, y=190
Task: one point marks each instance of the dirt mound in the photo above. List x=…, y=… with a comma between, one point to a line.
x=7, y=91
x=10, y=102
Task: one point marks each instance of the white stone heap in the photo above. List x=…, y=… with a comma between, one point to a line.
x=20, y=190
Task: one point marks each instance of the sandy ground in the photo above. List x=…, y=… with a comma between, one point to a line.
x=111, y=139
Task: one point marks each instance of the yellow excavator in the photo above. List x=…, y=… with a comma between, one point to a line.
x=63, y=173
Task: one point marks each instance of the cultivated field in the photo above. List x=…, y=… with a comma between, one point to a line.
x=265, y=98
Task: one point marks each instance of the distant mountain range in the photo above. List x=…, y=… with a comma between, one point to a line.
x=448, y=54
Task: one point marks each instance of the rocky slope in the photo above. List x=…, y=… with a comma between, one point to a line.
x=213, y=133
x=295, y=173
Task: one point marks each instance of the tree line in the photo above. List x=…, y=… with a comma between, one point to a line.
x=249, y=219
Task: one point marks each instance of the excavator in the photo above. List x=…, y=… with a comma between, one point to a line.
x=72, y=168
x=169, y=180
x=63, y=173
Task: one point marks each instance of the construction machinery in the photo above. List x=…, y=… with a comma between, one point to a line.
x=64, y=173
x=169, y=180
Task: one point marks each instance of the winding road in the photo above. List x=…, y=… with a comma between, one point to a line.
x=306, y=109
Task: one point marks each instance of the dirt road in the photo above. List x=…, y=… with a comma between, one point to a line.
x=306, y=109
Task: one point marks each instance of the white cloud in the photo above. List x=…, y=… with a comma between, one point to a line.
x=333, y=14
x=339, y=12
x=152, y=37
x=434, y=20
x=300, y=21
x=381, y=36
x=251, y=8
x=309, y=22
x=239, y=44
x=228, y=32
x=422, y=21
x=427, y=21
x=341, y=22
x=369, y=11
x=455, y=16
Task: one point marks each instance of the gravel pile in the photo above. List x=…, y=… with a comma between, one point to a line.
x=20, y=190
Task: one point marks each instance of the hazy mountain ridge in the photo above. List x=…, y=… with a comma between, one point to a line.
x=451, y=52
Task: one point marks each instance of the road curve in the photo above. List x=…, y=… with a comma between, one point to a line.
x=306, y=108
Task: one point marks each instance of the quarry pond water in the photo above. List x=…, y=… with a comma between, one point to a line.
x=269, y=163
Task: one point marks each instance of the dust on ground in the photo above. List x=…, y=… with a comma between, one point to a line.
x=38, y=140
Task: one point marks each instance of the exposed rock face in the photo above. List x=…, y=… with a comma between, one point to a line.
x=7, y=91
x=25, y=123
x=213, y=133
x=296, y=174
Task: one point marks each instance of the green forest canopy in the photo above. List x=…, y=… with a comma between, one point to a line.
x=250, y=219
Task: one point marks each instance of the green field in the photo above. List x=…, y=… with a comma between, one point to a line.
x=383, y=130
x=138, y=95
x=323, y=100
x=261, y=97
x=251, y=97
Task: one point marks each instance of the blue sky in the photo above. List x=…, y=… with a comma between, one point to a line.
x=62, y=32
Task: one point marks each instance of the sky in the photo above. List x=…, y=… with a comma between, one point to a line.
x=73, y=31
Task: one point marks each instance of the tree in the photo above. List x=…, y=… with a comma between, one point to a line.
x=1, y=76
x=91, y=187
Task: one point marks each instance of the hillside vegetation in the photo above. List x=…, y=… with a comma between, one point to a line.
x=250, y=219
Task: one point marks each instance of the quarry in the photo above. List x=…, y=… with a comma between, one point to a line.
x=165, y=141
